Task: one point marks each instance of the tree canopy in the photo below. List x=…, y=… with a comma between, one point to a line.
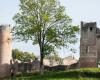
x=22, y=56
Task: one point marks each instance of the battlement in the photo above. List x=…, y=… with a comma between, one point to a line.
x=5, y=27
x=88, y=24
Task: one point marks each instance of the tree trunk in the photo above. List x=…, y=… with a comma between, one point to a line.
x=41, y=64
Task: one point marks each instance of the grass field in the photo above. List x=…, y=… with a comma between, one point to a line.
x=77, y=74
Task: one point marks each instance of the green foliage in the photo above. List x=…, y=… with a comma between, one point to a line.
x=22, y=56
x=45, y=23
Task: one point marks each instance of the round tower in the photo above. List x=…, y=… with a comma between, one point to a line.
x=5, y=44
x=5, y=49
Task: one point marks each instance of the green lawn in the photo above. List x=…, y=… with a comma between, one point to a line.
x=78, y=74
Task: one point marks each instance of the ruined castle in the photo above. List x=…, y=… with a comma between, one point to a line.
x=89, y=45
x=5, y=49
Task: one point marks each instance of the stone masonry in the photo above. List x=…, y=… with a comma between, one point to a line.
x=89, y=45
x=5, y=50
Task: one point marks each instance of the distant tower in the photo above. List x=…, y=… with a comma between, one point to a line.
x=5, y=49
x=88, y=50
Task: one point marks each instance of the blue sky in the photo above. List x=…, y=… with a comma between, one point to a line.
x=79, y=10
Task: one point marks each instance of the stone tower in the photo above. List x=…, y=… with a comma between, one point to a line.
x=5, y=49
x=88, y=48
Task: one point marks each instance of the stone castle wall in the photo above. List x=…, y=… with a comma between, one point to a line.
x=88, y=45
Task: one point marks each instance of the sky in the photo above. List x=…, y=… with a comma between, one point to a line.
x=78, y=10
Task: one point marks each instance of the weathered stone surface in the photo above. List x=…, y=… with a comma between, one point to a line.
x=89, y=45
x=5, y=50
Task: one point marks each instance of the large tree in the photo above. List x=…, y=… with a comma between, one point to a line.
x=44, y=22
